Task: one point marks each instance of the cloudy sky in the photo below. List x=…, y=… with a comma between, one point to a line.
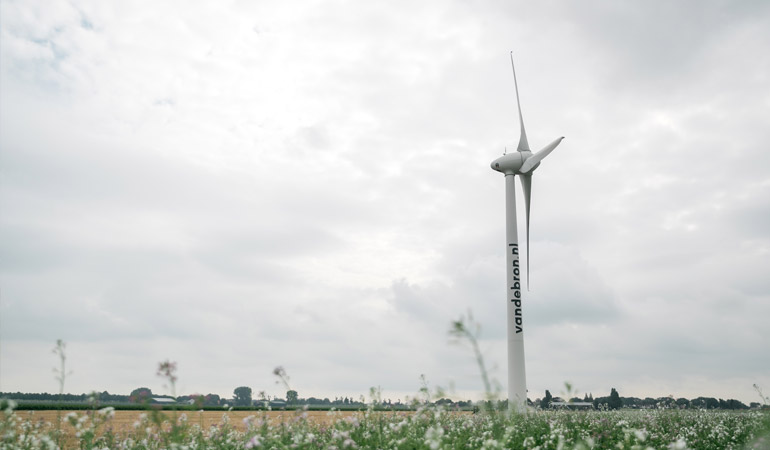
x=239, y=185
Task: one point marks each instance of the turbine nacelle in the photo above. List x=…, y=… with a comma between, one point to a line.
x=510, y=163
x=523, y=161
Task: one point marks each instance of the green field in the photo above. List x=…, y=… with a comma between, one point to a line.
x=426, y=428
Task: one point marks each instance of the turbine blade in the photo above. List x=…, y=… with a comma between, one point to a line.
x=532, y=161
x=526, y=187
x=523, y=144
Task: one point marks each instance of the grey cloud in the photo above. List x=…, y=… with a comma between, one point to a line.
x=750, y=215
x=566, y=289
x=655, y=48
x=318, y=195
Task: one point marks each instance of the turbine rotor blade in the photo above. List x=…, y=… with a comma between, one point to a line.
x=532, y=161
x=526, y=187
x=523, y=144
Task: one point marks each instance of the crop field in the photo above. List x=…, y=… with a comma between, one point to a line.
x=426, y=428
x=123, y=422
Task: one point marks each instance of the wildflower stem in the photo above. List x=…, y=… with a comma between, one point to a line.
x=461, y=331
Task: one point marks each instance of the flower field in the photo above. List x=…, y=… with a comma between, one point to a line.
x=426, y=428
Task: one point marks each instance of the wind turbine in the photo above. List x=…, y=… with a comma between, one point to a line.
x=522, y=163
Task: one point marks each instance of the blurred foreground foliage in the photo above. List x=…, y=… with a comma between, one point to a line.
x=429, y=427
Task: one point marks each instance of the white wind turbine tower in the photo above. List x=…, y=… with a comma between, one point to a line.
x=521, y=163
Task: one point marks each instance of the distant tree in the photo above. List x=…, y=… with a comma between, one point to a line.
x=722, y=404
x=291, y=397
x=705, y=403
x=734, y=404
x=242, y=396
x=546, y=401
x=318, y=401
x=212, y=400
x=601, y=402
x=631, y=402
x=140, y=395
x=615, y=401
x=197, y=400
x=682, y=402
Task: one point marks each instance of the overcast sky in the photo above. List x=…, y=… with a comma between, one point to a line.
x=240, y=185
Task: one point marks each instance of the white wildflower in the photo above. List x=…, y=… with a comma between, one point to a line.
x=433, y=437
x=48, y=442
x=108, y=412
x=353, y=420
x=491, y=444
x=680, y=444
x=255, y=441
x=9, y=407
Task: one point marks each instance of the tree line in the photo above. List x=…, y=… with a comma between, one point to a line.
x=243, y=396
x=615, y=401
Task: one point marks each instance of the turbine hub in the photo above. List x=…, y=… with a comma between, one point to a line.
x=510, y=163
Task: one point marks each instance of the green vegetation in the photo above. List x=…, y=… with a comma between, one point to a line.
x=427, y=428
